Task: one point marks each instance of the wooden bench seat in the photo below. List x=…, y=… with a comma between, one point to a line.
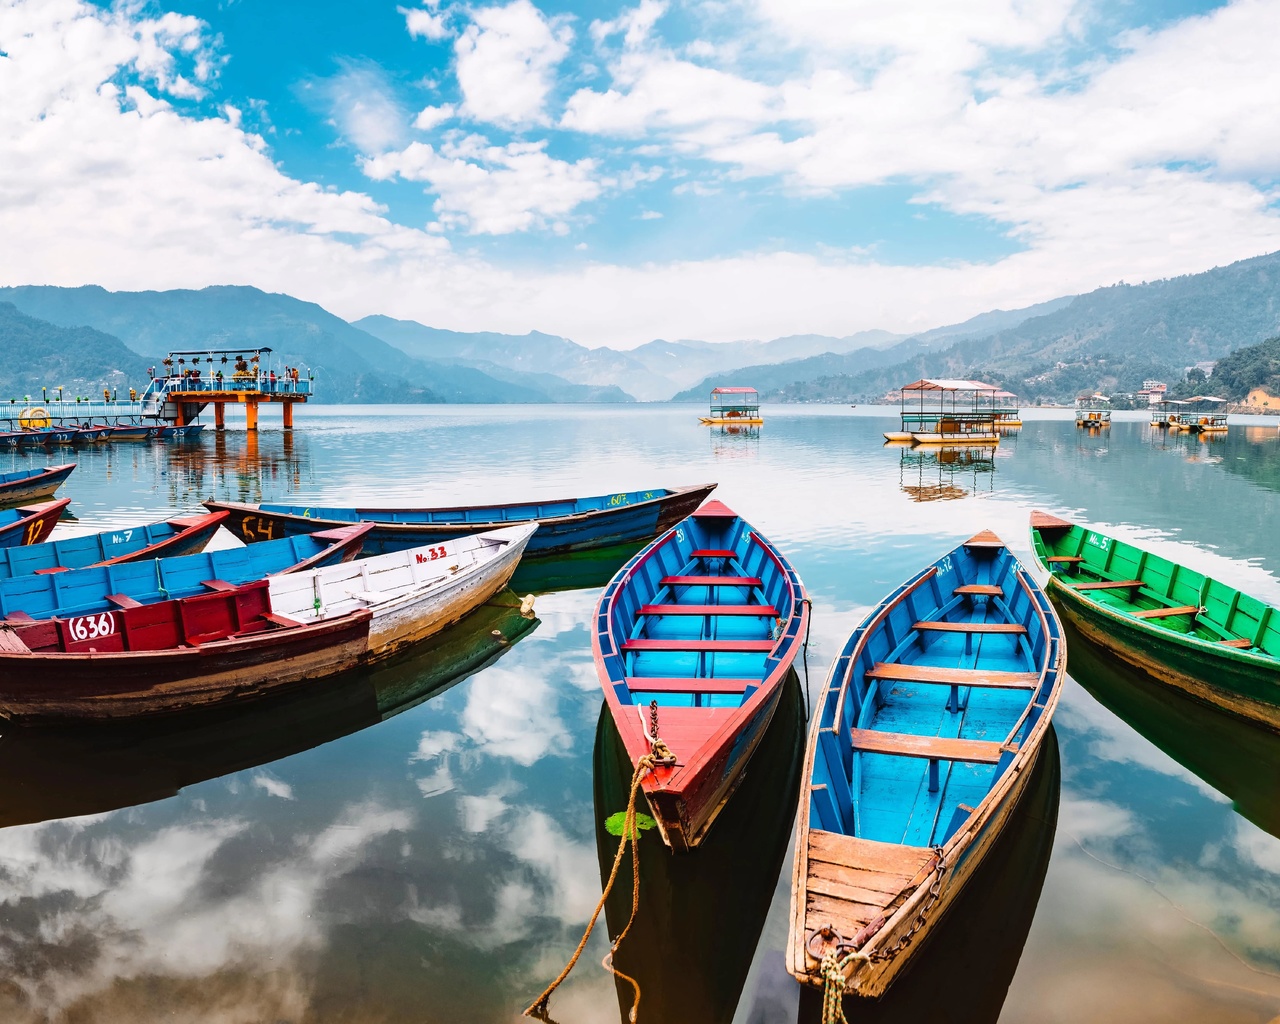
x=222, y=586
x=687, y=684
x=972, y=627
x=710, y=609
x=1108, y=585
x=934, y=748
x=714, y=553
x=953, y=676
x=1063, y=559
x=1164, y=613
x=978, y=590
x=710, y=581
x=123, y=601
x=729, y=646
x=283, y=621
x=1241, y=643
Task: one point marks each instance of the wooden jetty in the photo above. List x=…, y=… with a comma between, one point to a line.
x=692, y=640
x=924, y=736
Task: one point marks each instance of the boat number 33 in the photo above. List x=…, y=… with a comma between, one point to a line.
x=432, y=554
x=90, y=627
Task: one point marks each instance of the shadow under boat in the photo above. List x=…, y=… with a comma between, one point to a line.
x=962, y=973
x=960, y=471
x=700, y=913
x=1229, y=753
x=59, y=773
x=574, y=570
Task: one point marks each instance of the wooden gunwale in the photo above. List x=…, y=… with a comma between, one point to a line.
x=962, y=852
x=195, y=525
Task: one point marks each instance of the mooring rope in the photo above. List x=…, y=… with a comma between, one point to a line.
x=630, y=832
x=832, y=971
x=804, y=654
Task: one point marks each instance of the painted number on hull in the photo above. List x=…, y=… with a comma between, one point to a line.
x=91, y=627
x=121, y=538
x=944, y=564
x=618, y=499
x=255, y=528
x=34, y=530
x=432, y=554
x=1098, y=542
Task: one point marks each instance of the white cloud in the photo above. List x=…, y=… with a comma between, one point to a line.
x=425, y=22
x=650, y=215
x=275, y=787
x=362, y=107
x=635, y=24
x=430, y=117
x=493, y=190
x=506, y=62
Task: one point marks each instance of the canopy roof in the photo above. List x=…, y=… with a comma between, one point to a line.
x=1005, y=394
x=1202, y=398
x=950, y=385
x=219, y=351
x=733, y=391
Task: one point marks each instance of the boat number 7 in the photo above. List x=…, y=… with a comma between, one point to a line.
x=432, y=554
x=90, y=627
x=944, y=565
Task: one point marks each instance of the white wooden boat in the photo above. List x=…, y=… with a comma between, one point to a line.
x=413, y=594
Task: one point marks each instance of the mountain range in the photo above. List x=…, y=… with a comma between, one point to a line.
x=1111, y=338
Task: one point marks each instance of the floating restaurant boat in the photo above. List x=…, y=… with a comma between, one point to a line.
x=97, y=589
x=734, y=407
x=1090, y=412
x=25, y=485
x=692, y=640
x=956, y=412
x=413, y=594
x=1005, y=412
x=30, y=524
x=1203, y=415
x=925, y=735
x=571, y=524
x=1177, y=625
x=178, y=655
x=182, y=535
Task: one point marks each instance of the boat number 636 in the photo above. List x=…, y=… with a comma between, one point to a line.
x=90, y=627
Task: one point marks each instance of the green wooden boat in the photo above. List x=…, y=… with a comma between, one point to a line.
x=1179, y=626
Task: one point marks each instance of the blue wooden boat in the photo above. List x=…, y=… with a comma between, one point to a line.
x=921, y=743
x=30, y=524
x=26, y=485
x=111, y=587
x=573, y=524
x=182, y=535
x=692, y=639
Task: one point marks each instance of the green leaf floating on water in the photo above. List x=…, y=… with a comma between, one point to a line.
x=616, y=823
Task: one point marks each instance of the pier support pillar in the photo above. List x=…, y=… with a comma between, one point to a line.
x=288, y=415
x=251, y=415
x=219, y=416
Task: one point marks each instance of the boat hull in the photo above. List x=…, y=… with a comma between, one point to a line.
x=22, y=488
x=34, y=524
x=582, y=531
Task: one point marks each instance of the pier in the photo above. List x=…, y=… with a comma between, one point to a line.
x=197, y=378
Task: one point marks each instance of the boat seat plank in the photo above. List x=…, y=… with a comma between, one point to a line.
x=1064, y=559
x=736, y=646
x=281, y=620
x=1241, y=643
x=867, y=854
x=18, y=616
x=687, y=684
x=714, y=553
x=766, y=610
x=1108, y=585
x=871, y=886
x=1164, y=613
x=123, y=601
x=847, y=917
x=953, y=676
x=873, y=741
x=222, y=586
x=972, y=627
x=978, y=590
x=711, y=581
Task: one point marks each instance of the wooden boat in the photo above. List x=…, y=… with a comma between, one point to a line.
x=97, y=589
x=573, y=524
x=29, y=524
x=956, y=412
x=699, y=918
x=924, y=736
x=733, y=407
x=140, y=660
x=133, y=432
x=1179, y=626
x=692, y=640
x=182, y=535
x=412, y=594
x=93, y=433
x=26, y=485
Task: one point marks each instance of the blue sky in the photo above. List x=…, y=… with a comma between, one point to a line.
x=616, y=172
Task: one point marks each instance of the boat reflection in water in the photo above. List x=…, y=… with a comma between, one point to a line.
x=58, y=773
x=700, y=913
x=575, y=570
x=947, y=472
x=963, y=972
x=1236, y=758
x=735, y=441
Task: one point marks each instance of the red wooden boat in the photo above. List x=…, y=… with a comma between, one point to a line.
x=695, y=635
x=30, y=524
x=223, y=647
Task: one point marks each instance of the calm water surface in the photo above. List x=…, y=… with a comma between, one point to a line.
x=424, y=843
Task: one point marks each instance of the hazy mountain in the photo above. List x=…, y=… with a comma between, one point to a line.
x=35, y=353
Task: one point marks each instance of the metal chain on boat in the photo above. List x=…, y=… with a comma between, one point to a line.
x=836, y=960
x=660, y=755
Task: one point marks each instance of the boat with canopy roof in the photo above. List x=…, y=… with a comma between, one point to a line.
x=945, y=411
x=734, y=407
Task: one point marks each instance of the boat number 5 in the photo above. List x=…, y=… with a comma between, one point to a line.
x=1098, y=542
x=90, y=627
x=944, y=565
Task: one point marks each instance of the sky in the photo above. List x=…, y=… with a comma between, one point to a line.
x=619, y=172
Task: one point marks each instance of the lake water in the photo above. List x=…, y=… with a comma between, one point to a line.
x=424, y=844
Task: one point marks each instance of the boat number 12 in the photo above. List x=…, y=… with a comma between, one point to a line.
x=432, y=554
x=90, y=627
x=944, y=564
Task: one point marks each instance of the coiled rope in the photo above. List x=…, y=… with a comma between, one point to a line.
x=832, y=971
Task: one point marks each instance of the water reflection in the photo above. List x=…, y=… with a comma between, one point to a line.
x=573, y=571
x=735, y=441
x=59, y=773
x=700, y=914
x=947, y=472
x=1237, y=759
x=963, y=972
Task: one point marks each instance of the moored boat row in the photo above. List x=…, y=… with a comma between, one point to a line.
x=94, y=433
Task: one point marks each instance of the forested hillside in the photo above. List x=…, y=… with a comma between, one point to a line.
x=35, y=353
